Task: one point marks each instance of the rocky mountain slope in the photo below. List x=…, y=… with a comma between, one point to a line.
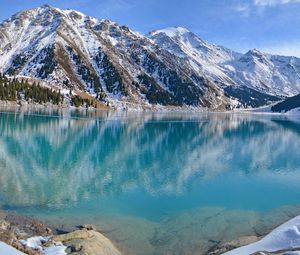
x=244, y=76
x=71, y=50
x=174, y=67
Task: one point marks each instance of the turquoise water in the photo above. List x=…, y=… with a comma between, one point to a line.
x=150, y=180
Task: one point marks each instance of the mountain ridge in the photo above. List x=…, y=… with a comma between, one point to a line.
x=103, y=58
x=263, y=72
x=114, y=64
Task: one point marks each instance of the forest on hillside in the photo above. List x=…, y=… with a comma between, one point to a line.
x=14, y=89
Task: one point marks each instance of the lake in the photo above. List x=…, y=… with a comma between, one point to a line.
x=153, y=183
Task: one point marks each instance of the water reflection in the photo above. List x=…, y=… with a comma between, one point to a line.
x=69, y=157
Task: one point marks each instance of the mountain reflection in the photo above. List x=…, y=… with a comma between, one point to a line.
x=51, y=159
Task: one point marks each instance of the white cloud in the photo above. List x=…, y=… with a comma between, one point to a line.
x=274, y=2
x=284, y=49
x=260, y=5
x=241, y=8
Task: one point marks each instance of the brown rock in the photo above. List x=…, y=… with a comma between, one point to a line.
x=87, y=242
x=13, y=228
x=28, y=225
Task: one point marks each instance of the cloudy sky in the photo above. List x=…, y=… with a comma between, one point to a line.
x=269, y=25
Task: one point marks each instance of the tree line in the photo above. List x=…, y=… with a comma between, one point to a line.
x=13, y=89
x=78, y=101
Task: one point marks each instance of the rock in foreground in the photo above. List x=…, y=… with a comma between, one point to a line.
x=87, y=242
x=16, y=232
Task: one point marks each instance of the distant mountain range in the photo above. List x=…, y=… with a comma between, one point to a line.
x=171, y=67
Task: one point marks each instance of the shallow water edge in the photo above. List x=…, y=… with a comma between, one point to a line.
x=182, y=233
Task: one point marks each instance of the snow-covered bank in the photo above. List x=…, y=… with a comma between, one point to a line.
x=285, y=237
x=267, y=110
x=37, y=243
x=5, y=249
x=295, y=111
x=29, y=236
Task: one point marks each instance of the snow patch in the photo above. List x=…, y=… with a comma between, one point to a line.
x=37, y=243
x=8, y=250
x=34, y=242
x=285, y=237
x=295, y=111
x=270, y=74
x=58, y=249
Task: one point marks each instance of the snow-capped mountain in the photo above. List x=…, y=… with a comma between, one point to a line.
x=173, y=66
x=254, y=71
x=71, y=50
x=203, y=56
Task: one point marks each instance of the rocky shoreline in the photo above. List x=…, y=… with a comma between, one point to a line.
x=33, y=237
x=21, y=232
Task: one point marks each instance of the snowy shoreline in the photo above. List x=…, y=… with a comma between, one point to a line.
x=21, y=235
x=283, y=240
x=9, y=250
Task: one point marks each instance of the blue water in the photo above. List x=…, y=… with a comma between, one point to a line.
x=145, y=175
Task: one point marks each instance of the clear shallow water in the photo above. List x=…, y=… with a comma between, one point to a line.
x=153, y=183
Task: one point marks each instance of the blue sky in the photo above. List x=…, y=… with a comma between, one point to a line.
x=269, y=25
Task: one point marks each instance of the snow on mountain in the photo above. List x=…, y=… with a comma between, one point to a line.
x=203, y=57
x=111, y=62
x=191, y=45
x=276, y=75
x=173, y=66
x=264, y=73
